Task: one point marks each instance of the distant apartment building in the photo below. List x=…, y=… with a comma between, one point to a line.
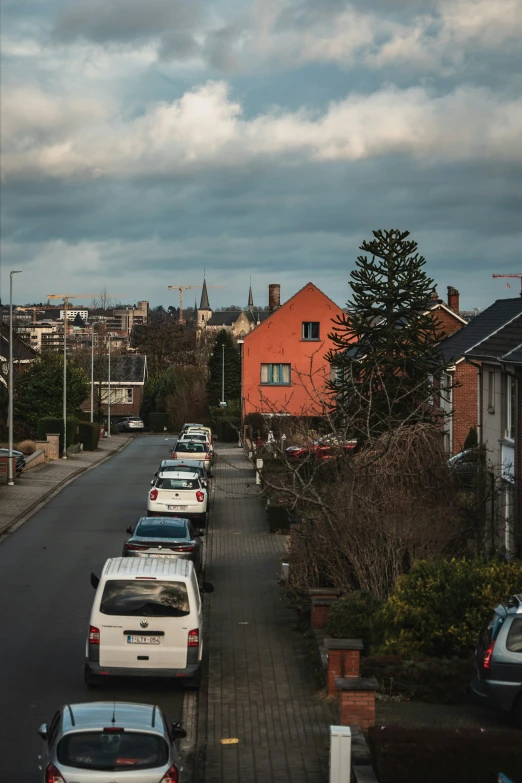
x=71, y=314
x=129, y=317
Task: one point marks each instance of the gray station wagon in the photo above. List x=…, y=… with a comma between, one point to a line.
x=498, y=659
x=110, y=741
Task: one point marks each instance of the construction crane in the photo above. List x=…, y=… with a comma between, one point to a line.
x=34, y=311
x=182, y=288
x=66, y=298
x=519, y=275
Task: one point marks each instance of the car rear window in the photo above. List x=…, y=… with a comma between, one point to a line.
x=514, y=639
x=151, y=530
x=177, y=483
x=190, y=446
x=126, y=750
x=182, y=469
x=151, y=599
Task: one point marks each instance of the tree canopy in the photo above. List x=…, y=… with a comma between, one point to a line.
x=232, y=370
x=386, y=355
x=165, y=342
x=39, y=391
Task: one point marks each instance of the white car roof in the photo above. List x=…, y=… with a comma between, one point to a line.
x=161, y=568
x=179, y=474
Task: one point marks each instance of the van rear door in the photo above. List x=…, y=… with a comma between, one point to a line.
x=144, y=623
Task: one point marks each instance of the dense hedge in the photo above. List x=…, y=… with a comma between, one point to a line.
x=89, y=435
x=354, y=617
x=227, y=429
x=158, y=421
x=440, y=606
x=53, y=426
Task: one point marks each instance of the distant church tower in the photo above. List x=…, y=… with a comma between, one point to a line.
x=250, y=299
x=204, y=311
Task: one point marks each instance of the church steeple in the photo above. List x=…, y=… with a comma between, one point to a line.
x=250, y=297
x=204, y=304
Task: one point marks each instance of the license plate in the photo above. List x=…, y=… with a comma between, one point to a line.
x=165, y=555
x=176, y=508
x=143, y=640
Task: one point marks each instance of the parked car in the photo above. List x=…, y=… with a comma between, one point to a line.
x=179, y=494
x=85, y=743
x=131, y=424
x=199, y=431
x=20, y=458
x=328, y=447
x=165, y=537
x=191, y=449
x=146, y=621
x=498, y=659
x=189, y=465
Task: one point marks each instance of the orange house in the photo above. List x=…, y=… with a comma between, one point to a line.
x=284, y=370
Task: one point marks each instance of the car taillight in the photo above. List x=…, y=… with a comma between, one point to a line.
x=173, y=455
x=94, y=635
x=487, y=656
x=172, y=776
x=53, y=776
x=183, y=548
x=193, y=638
x=135, y=547
x=208, y=455
x=153, y=494
x=200, y=496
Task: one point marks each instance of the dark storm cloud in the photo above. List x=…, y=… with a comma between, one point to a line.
x=125, y=21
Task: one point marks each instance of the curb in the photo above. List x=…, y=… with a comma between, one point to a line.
x=50, y=494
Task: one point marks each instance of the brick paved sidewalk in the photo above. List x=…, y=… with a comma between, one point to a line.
x=38, y=484
x=261, y=688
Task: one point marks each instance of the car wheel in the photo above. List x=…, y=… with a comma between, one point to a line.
x=517, y=711
x=91, y=680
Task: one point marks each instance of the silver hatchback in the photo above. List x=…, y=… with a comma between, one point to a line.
x=116, y=741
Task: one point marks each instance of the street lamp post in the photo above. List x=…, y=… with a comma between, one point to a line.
x=10, y=475
x=92, y=372
x=65, y=314
x=223, y=375
x=109, y=394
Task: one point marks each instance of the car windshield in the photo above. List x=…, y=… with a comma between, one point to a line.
x=145, y=598
x=161, y=530
x=112, y=750
x=177, y=483
x=190, y=446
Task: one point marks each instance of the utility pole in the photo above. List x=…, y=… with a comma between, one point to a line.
x=92, y=372
x=65, y=314
x=518, y=275
x=109, y=394
x=10, y=474
x=223, y=375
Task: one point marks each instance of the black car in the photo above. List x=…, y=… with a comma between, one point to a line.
x=160, y=537
x=20, y=458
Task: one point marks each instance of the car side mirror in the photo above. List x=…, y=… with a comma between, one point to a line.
x=95, y=580
x=177, y=732
x=204, y=483
x=156, y=474
x=201, y=533
x=207, y=587
x=42, y=731
x=129, y=530
x=152, y=482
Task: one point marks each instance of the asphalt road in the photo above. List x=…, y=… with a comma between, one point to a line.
x=46, y=597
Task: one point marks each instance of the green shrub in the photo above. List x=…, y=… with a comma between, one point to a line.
x=89, y=435
x=227, y=429
x=54, y=426
x=158, y=421
x=439, y=608
x=355, y=616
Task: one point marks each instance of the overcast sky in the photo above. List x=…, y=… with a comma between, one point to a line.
x=144, y=140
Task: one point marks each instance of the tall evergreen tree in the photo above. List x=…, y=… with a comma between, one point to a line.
x=232, y=370
x=386, y=352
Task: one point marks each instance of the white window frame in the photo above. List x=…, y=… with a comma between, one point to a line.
x=120, y=395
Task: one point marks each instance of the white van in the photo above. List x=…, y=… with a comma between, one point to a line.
x=146, y=621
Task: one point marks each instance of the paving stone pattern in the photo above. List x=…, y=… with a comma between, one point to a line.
x=35, y=485
x=261, y=687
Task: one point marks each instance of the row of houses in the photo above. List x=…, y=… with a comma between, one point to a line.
x=285, y=371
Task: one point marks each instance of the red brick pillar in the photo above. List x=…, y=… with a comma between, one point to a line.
x=344, y=660
x=322, y=600
x=357, y=705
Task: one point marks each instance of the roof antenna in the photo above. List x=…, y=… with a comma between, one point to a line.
x=113, y=721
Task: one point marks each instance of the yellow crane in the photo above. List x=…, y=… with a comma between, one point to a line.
x=34, y=311
x=66, y=298
x=182, y=288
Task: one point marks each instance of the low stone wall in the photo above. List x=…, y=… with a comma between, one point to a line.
x=38, y=458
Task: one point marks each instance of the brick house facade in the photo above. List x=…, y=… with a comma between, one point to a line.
x=284, y=369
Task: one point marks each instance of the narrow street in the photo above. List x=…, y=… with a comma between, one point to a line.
x=46, y=596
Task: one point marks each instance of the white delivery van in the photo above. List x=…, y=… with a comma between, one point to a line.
x=146, y=621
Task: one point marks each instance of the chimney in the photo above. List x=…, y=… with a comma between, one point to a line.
x=274, y=296
x=453, y=299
